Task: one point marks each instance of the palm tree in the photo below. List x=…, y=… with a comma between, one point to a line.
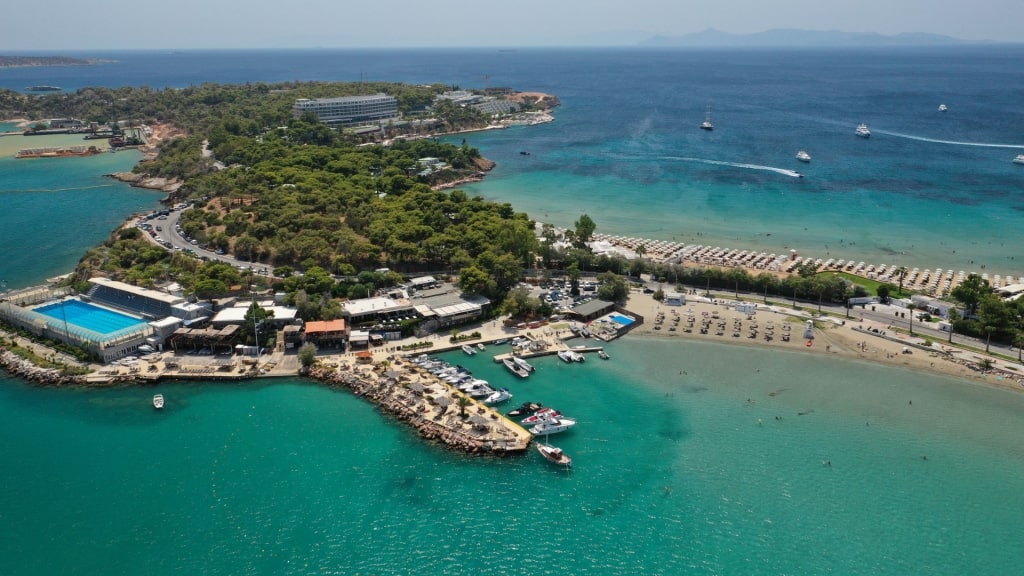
x=1018, y=341
x=902, y=273
x=953, y=317
x=463, y=403
x=988, y=337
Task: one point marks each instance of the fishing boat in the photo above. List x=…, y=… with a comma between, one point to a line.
x=158, y=401
x=706, y=124
x=554, y=455
x=862, y=131
x=803, y=156
x=515, y=368
x=468, y=349
x=553, y=426
x=497, y=397
x=525, y=409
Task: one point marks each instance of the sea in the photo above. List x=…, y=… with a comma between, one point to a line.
x=690, y=457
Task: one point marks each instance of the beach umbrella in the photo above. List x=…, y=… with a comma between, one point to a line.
x=478, y=420
x=443, y=401
x=416, y=387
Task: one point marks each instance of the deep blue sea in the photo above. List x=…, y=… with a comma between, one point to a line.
x=673, y=472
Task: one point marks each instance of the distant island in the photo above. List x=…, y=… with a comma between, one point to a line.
x=712, y=38
x=26, y=61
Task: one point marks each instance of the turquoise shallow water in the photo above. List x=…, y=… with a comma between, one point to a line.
x=673, y=475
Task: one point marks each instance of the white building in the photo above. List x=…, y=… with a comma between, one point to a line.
x=349, y=110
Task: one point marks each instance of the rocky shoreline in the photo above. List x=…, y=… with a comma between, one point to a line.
x=168, y=185
x=21, y=368
x=381, y=393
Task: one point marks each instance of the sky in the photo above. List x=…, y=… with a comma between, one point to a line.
x=55, y=25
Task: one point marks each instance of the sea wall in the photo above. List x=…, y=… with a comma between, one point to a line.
x=18, y=366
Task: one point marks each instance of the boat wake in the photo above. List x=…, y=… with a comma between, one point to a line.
x=950, y=142
x=783, y=171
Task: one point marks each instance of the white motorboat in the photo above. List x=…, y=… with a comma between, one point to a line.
x=472, y=383
x=553, y=426
x=578, y=356
x=566, y=355
x=603, y=355
x=523, y=363
x=480, y=346
x=862, y=131
x=468, y=349
x=942, y=108
x=540, y=416
x=498, y=396
x=554, y=455
x=479, y=391
x=158, y=401
x=706, y=124
x=803, y=156
x=1019, y=159
x=515, y=368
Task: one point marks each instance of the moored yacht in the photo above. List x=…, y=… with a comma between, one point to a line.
x=803, y=156
x=515, y=368
x=706, y=124
x=863, y=131
x=552, y=426
x=497, y=397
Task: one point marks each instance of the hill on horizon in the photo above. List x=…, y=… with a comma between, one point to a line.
x=799, y=38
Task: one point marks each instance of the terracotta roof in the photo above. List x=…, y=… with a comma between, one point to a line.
x=318, y=326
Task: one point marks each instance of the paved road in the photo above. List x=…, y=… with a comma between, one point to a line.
x=168, y=233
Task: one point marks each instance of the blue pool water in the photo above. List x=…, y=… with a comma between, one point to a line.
x=619, y=319
x=88, y=316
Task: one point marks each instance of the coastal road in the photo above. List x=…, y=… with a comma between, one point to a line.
x=168, y=233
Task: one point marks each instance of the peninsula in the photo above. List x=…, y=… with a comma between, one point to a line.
x=36, y=61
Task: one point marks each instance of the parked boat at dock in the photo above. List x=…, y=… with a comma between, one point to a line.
x=515, y=368
x=522, y=363
x=468, y=349
x=540, y=416
x=553, y=426
x=525, y=409
x=497, y=397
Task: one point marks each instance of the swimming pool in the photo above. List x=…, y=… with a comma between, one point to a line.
x=88, y=316
x=620, y=319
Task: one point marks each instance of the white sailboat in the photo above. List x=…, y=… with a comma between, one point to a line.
x=706, y=124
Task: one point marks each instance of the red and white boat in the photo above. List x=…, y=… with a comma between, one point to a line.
x=540, y=416
x=554, y=455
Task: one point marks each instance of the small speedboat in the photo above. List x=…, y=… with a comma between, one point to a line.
x=942, y=108
x=158, y=401
x=481, y=347
x=603, y=355
x=566, y=355
x=1019, y=159
x=554, y=455
x=523, y=363
x=863, y=131
x=498, y=396
x=553, y=426
x=468, y=349
x=525, y=409
x=803, y=156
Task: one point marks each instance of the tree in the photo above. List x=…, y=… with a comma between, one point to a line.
x=883, y=292
x=988, y=336
x=902, y=273
x=307, y=355
x=463, y=403
x=1018, y=341
x=613, y=287
x=970, y=291
x=953, y=317
x=574, y=279
x=585, y=227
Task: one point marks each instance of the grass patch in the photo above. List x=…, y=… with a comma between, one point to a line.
x=872, y=285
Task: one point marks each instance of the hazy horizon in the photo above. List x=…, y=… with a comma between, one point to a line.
x=62, y=25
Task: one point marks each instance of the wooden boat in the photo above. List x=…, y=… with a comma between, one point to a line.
x=554, y=455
